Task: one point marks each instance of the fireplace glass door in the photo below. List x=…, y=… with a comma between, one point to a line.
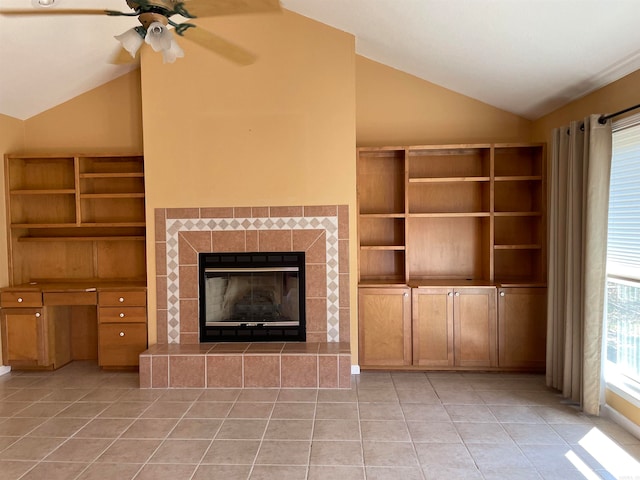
x=252, y=296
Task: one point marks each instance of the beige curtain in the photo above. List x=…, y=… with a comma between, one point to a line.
x=578, y=210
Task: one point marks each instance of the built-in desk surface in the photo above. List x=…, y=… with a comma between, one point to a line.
x=46, y=324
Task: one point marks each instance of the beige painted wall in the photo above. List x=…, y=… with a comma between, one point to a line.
x=614, y=97
x=278, y=132
x=105, y=119
x=395, y=108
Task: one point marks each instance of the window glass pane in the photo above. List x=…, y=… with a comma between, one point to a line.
x=623, y=327
x=623, y=247
x=623, y=256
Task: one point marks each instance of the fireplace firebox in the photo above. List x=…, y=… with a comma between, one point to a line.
x=252, y=296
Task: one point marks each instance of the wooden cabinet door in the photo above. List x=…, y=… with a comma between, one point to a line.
x=384, y=326
x=432, y=314
x=522, y=327
x=474, y=326
x=23, y=338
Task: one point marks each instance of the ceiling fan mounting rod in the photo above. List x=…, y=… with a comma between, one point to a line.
x=147, y=18
x=167, y=8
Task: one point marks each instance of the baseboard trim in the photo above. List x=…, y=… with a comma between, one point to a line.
x=624, y=422
x=4, y=369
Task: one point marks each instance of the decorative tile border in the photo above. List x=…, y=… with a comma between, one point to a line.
x=330, y=224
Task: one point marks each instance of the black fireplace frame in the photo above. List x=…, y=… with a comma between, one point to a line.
x=254, y=331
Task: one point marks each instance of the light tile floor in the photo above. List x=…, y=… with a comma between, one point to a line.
x=83, y=423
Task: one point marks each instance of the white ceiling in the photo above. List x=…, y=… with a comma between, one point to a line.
x=528, y=57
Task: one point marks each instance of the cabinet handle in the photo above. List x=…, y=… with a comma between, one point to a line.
x=19, y=299
x=121, y=299
x=37, y=314
x=457, y=294
x=502, y=294
x=122, y=315
x=450, y=294
x=406, y=294
x=122, y=334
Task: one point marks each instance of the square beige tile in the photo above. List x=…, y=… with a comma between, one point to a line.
x=79, y=450
x=242, y=429
x=200, y=428
x=180, y=451
x=281, y=472
x=283, y=452
x=148, y=428
x=323, y=472
x=336, y=453
x=384, y=430
x=241, y=452
x=54, y=471
x=103, y=471
x=385, y=454
x=129, y=451
x=31, y=448
x=166, y=472
x=293, y=410
x=336, y=430
x=289, y=429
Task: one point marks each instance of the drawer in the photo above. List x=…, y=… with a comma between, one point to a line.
x=107, y=298
x=122, y=314
x=70, y=298
x=121, y=345
x=21, y=299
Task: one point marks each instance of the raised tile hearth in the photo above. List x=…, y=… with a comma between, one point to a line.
x=247, y=365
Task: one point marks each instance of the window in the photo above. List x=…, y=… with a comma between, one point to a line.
x=623, y=259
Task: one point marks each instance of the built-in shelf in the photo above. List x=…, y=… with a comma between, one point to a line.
x=452, y=211
x=75, y=216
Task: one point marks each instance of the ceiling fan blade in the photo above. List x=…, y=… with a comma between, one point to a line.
x=208, y=8
x=73, y=11
x=123, y=57
x=219, y=45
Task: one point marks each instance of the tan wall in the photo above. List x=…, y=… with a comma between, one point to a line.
x=614, y=97
x=278, y=132
x=105, y=119
x=395, y=108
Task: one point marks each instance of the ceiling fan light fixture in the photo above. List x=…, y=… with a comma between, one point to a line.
x=159, y=37
x=161, y=40
x=132, y=40
x=43, y=3
x=170, y=55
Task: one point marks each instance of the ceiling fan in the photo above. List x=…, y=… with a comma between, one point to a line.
x=155, y=19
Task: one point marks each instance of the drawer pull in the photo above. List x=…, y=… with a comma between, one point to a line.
x=121, y=299
x=122, y=334
x=19, y=299
x=38, y=315
x=122, y=315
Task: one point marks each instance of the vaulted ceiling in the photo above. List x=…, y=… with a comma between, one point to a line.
x=528, y=57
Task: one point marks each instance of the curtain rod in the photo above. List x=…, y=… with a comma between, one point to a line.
x=603, y=118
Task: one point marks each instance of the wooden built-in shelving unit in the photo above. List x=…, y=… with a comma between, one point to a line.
x=77, y=264
x=75, y=216
x=456, y=217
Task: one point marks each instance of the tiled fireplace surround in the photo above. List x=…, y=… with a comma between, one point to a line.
x=178, y=360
